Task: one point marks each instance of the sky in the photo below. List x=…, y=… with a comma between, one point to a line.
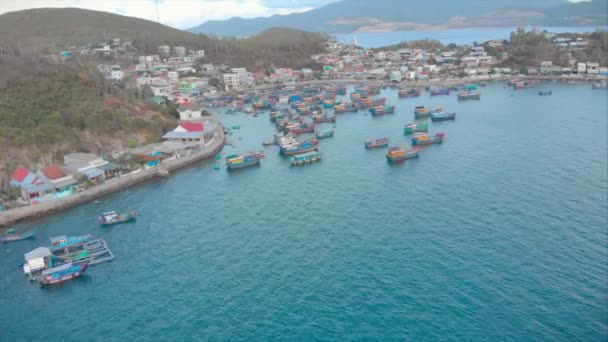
x=180, y=14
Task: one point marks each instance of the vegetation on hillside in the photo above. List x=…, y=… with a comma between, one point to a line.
x=50, y=30
x=48, y=109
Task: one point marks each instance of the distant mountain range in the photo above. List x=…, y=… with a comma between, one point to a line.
x=388, y=15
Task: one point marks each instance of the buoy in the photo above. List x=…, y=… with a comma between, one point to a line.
x=218, y=156
x=216, y=167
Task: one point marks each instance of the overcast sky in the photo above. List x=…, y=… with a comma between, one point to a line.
x=177, y=13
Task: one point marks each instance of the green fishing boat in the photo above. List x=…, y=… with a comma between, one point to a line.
x=415, y=127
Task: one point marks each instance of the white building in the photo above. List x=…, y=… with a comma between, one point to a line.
x=593, y=68
x=164, y=50
x=199, y=53
x=238, y=79
x=545, y=67
x=581, y=68
x=179, y=51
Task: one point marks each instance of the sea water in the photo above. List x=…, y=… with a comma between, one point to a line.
x=499, y=233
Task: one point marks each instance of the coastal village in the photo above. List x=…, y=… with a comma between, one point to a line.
x=200, y=89
x=298, y=102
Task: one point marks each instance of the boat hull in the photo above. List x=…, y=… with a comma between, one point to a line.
x=300, y=151
x=50, y=280
x=431, y=141
x=242, y=165
x=17, y=237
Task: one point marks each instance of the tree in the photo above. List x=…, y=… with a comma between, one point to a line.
x=215, y=82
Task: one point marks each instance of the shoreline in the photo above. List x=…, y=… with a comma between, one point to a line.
x=30, y=212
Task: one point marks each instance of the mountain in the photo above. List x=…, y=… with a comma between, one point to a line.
x=365, y=15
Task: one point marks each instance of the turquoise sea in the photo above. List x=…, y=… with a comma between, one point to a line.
x=457, y=36
x=498, y=234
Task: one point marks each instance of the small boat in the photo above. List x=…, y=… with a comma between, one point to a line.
x=268, y=142
x=425, y=139
x=62, y=273
x=381, y=110
x=111, y=218
x=415, y=127
x=421, y=112
x=322, y=118
x=306, y=158
x=409, y=93
x=440, y=91
x=468, y=95
x=377, y=143
x=599, y=85
x=238, y=162
x=346, y=108
x=325, y=134
x=301, y=128
x=398, y=154
x=441, y=116
x=545, y=92
x=294, y=148
x=12, y=236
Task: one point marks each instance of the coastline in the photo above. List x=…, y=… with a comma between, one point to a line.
x=39, y=210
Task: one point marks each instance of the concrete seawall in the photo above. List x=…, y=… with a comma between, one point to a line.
x=46, y=208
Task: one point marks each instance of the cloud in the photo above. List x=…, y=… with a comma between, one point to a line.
x=176, y=13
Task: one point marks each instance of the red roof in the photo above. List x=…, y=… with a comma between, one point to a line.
x=53, y=172
x=192, y=126
x=20, y=174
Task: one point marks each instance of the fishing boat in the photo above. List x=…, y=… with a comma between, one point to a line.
x=421, y=112
x=306, y=158
x=301, y=128
x=381, y=110
x=377, y=143
x=468, y=95
x=378, y=102
x=323, y=118
x=409, y=93
x=440, y=91
x=545, y=92
x=11, y=236
x=441, y=116
x=111, y=218
x=234, y=162
x=415, y=127
x=346, y=108
x=425, y=139
x=299, y=147
x=399, y=154
x=62, y=273
x=599, y=85
x=324, y=134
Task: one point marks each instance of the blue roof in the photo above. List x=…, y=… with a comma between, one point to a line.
x=93, y=173
x=183, y=135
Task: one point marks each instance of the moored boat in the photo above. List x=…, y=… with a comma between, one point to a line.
x=415, y=127
x=409, y=93
x=62, y=273
x=111, y=218
x=12, y=236
x=234, y=162
x=323, y=118
x=544, y=92
x=306, y=158
x=421, y=112
x=468, y=95
x=325, y=134
x=346, y=108
x=425, y=139
x=376, y=143
x=399, y=154
x=440, y=91
x=300, y=128
x=599, y=85
x=381, y=110
x=299, y=147
x=441, y=116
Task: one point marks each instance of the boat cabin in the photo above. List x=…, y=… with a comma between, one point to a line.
x=38, y=259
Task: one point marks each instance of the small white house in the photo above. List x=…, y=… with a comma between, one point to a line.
x=581, y=68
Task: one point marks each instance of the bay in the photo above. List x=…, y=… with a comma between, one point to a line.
x=499, y=233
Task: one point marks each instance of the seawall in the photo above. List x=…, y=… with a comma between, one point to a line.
x=15, y=215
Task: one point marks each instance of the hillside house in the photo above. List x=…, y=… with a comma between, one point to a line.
x=33, y=186
x=88, y=166
x=64, y=184
x=545, y=67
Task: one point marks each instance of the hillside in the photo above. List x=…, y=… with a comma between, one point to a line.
x=51, y=29
x=48, y=109
x=352, y=15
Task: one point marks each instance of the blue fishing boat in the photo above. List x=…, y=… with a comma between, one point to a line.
x=377, y=143
x=306, y=158
x=381, y=110
x=425, y=139
x=297, y=147
x=441, y=116
x=62, y=273
x=325, y=134
x=111, y=218
x=234, y=162
x=543, y=92
x=11, y=236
